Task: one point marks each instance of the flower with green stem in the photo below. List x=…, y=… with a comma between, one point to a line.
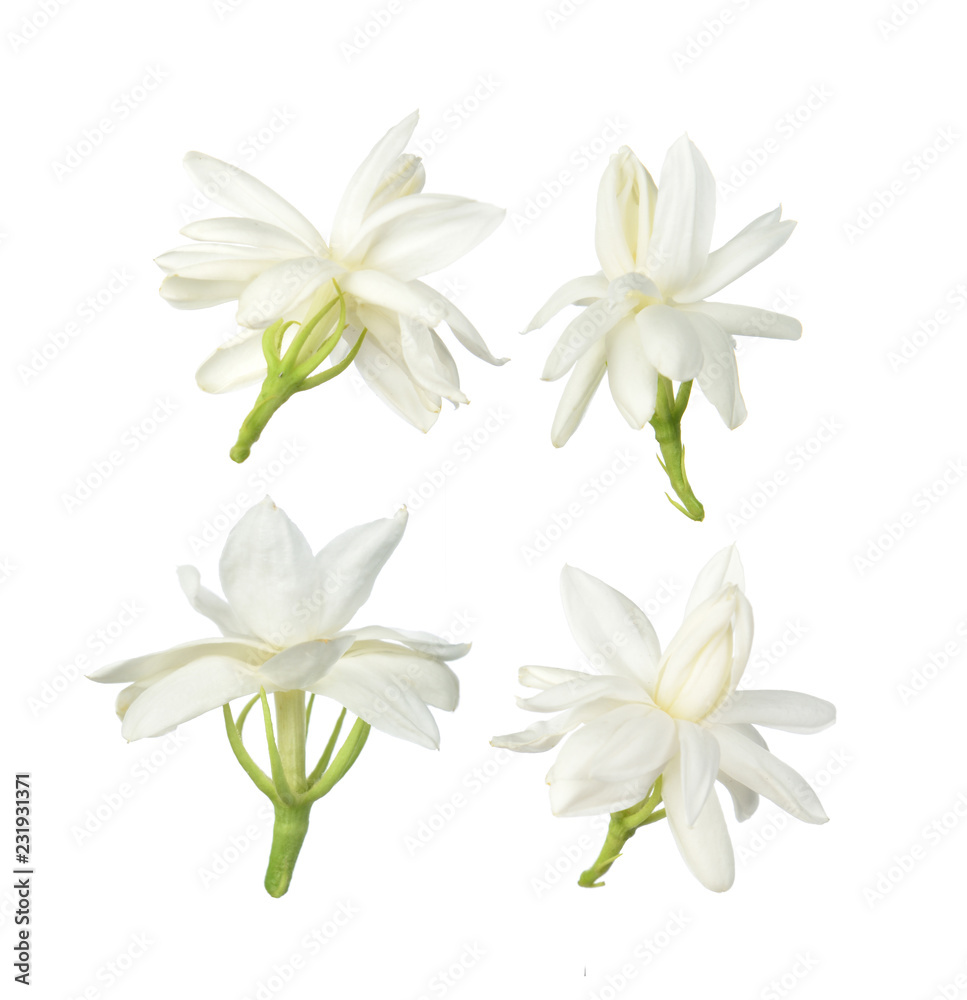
x=646, y=321
x=308, y=308
x=660, y=729
x=285, y=633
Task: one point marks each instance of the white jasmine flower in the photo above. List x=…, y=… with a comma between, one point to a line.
x=666, y=726
x=386, y=234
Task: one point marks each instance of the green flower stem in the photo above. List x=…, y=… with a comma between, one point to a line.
x=667, y=423
x=290, y=791
x=621, y=829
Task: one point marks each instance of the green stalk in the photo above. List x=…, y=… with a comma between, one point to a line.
x=621, y=829
x=667, y=423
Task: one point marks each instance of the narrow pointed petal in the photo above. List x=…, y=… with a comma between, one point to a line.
x=759, y=240
x=422, y=642
x=699, y=765
x=705, y=845
x=748, y=321
x=612, y=631
x=744, y=800
x=405, y=177
x=631, y=376
x=546, y=677
x=547, y=733
x=759, y=770
x=589, y=687
x=144, y=668
x=610, y=238
x=346, y=569
x=217, y=261
x=196, y=688
x=248, y=232
x=366, y=182
x=578, y=393
x=719, y=377
x=789, y=711
x=268, y=574
x=191, y=293
x=684, y=214
x=238, y=191
x=582, y=333
x=723, y=568
x=591, y=286
x=213, y=607
x=234, y=365
x=465, y=332
x=423, y=360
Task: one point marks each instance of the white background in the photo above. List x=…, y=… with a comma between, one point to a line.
x=515, y=93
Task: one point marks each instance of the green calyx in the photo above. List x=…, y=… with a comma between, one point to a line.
x=293, y=371
x=667, y=422
x=292, y=791
x=621, y=829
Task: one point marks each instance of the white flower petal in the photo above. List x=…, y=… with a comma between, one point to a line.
x=267, y=297
x=142, y=668
x=671, y=340
x=404, y=177
x=705, y=846
x=632, y=378
x=304, y=664
x=422, y=233
x=234, y=365
x=759, y=770
x=268, y=575
x=684, y=214
x=583, y=332
x=610, y=238
x=420, y=353
x=346, y=569
x=698, y=764
x=719, y=377
x=759, y=240
x=461, y=327
x=546, y=677
x=744, y=800
x=213, y=607
x=194, y=689
x=367, y=181
x=723, y=568
x=422, y=642
x=578, y=393
x=747, y=321
x=547, y=733
x=612, y=631
x=428, y=677
x=787, y=710
x=584, y=688
x=591, y=286
x=191, y=293
x=236, y=190
x=216, y=261
x=249, y=232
